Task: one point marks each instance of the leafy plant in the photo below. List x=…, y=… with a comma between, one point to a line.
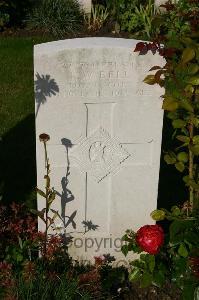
x=17, y=233
x=178, y=259
x=33, y=283
x=49, y=195
x=58, y=17
x=96, y=19
x=123, y=13
x=140, y=20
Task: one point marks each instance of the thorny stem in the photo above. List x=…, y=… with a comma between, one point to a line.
x=191, y=156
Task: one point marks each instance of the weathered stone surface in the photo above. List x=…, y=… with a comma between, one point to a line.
x=105, y=126
x=86, y=5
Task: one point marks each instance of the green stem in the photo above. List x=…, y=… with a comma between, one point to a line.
x=46, y=219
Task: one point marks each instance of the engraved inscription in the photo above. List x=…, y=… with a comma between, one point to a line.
x=103, y=78
x=99, y=154
x=96, y=152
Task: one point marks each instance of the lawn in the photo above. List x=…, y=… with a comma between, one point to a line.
x=17, y=128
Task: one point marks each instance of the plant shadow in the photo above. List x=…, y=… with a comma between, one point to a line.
x=45, y=86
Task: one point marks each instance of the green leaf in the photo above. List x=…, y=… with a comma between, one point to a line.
x=178, y=123
x=135, y=274
x=186, y=178
x=146, y=280
x=186, y=105
x=187, y=55
x=188, y=292
x=195, y=149
x=169, y=159
x=192, y=69
x=183, y=157
x=19, y=257
x=175, y=211
x=189, y=88
x=192, y=237
x=183, y=138
x=172, y=115
x=180, y=166
x=196, y=139
x=41, y=193
x=158, y=215
x=159, y=278
x=182, y=250
x=151, y=263
x=179, y=226
x=125, y=249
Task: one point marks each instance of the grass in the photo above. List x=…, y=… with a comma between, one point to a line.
x=17, y=126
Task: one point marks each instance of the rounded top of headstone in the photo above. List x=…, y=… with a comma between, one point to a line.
x=91, y=42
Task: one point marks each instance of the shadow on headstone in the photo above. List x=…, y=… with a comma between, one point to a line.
x=18, y=163
x=66, y=195
x=45, y=86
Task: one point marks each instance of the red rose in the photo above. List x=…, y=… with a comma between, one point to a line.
x=150, y=238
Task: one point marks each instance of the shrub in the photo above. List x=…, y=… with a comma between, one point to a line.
x=122, y=12
x=139, y=19
x=177, y=261
x=58, y=17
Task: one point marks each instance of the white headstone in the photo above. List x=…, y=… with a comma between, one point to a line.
x=86, y=5
x=105, y=128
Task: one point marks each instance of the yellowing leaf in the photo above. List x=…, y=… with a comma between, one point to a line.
x=180, y=166
x=150, y=79
x=183, y=157
x=195, y=121
x=189, y=88
x=194, y=80
x=158, y=215
x=170, y=104
x=169, y=159
x=187, y=55
x=195, y=149
x=196, y=139
x=183, y=138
